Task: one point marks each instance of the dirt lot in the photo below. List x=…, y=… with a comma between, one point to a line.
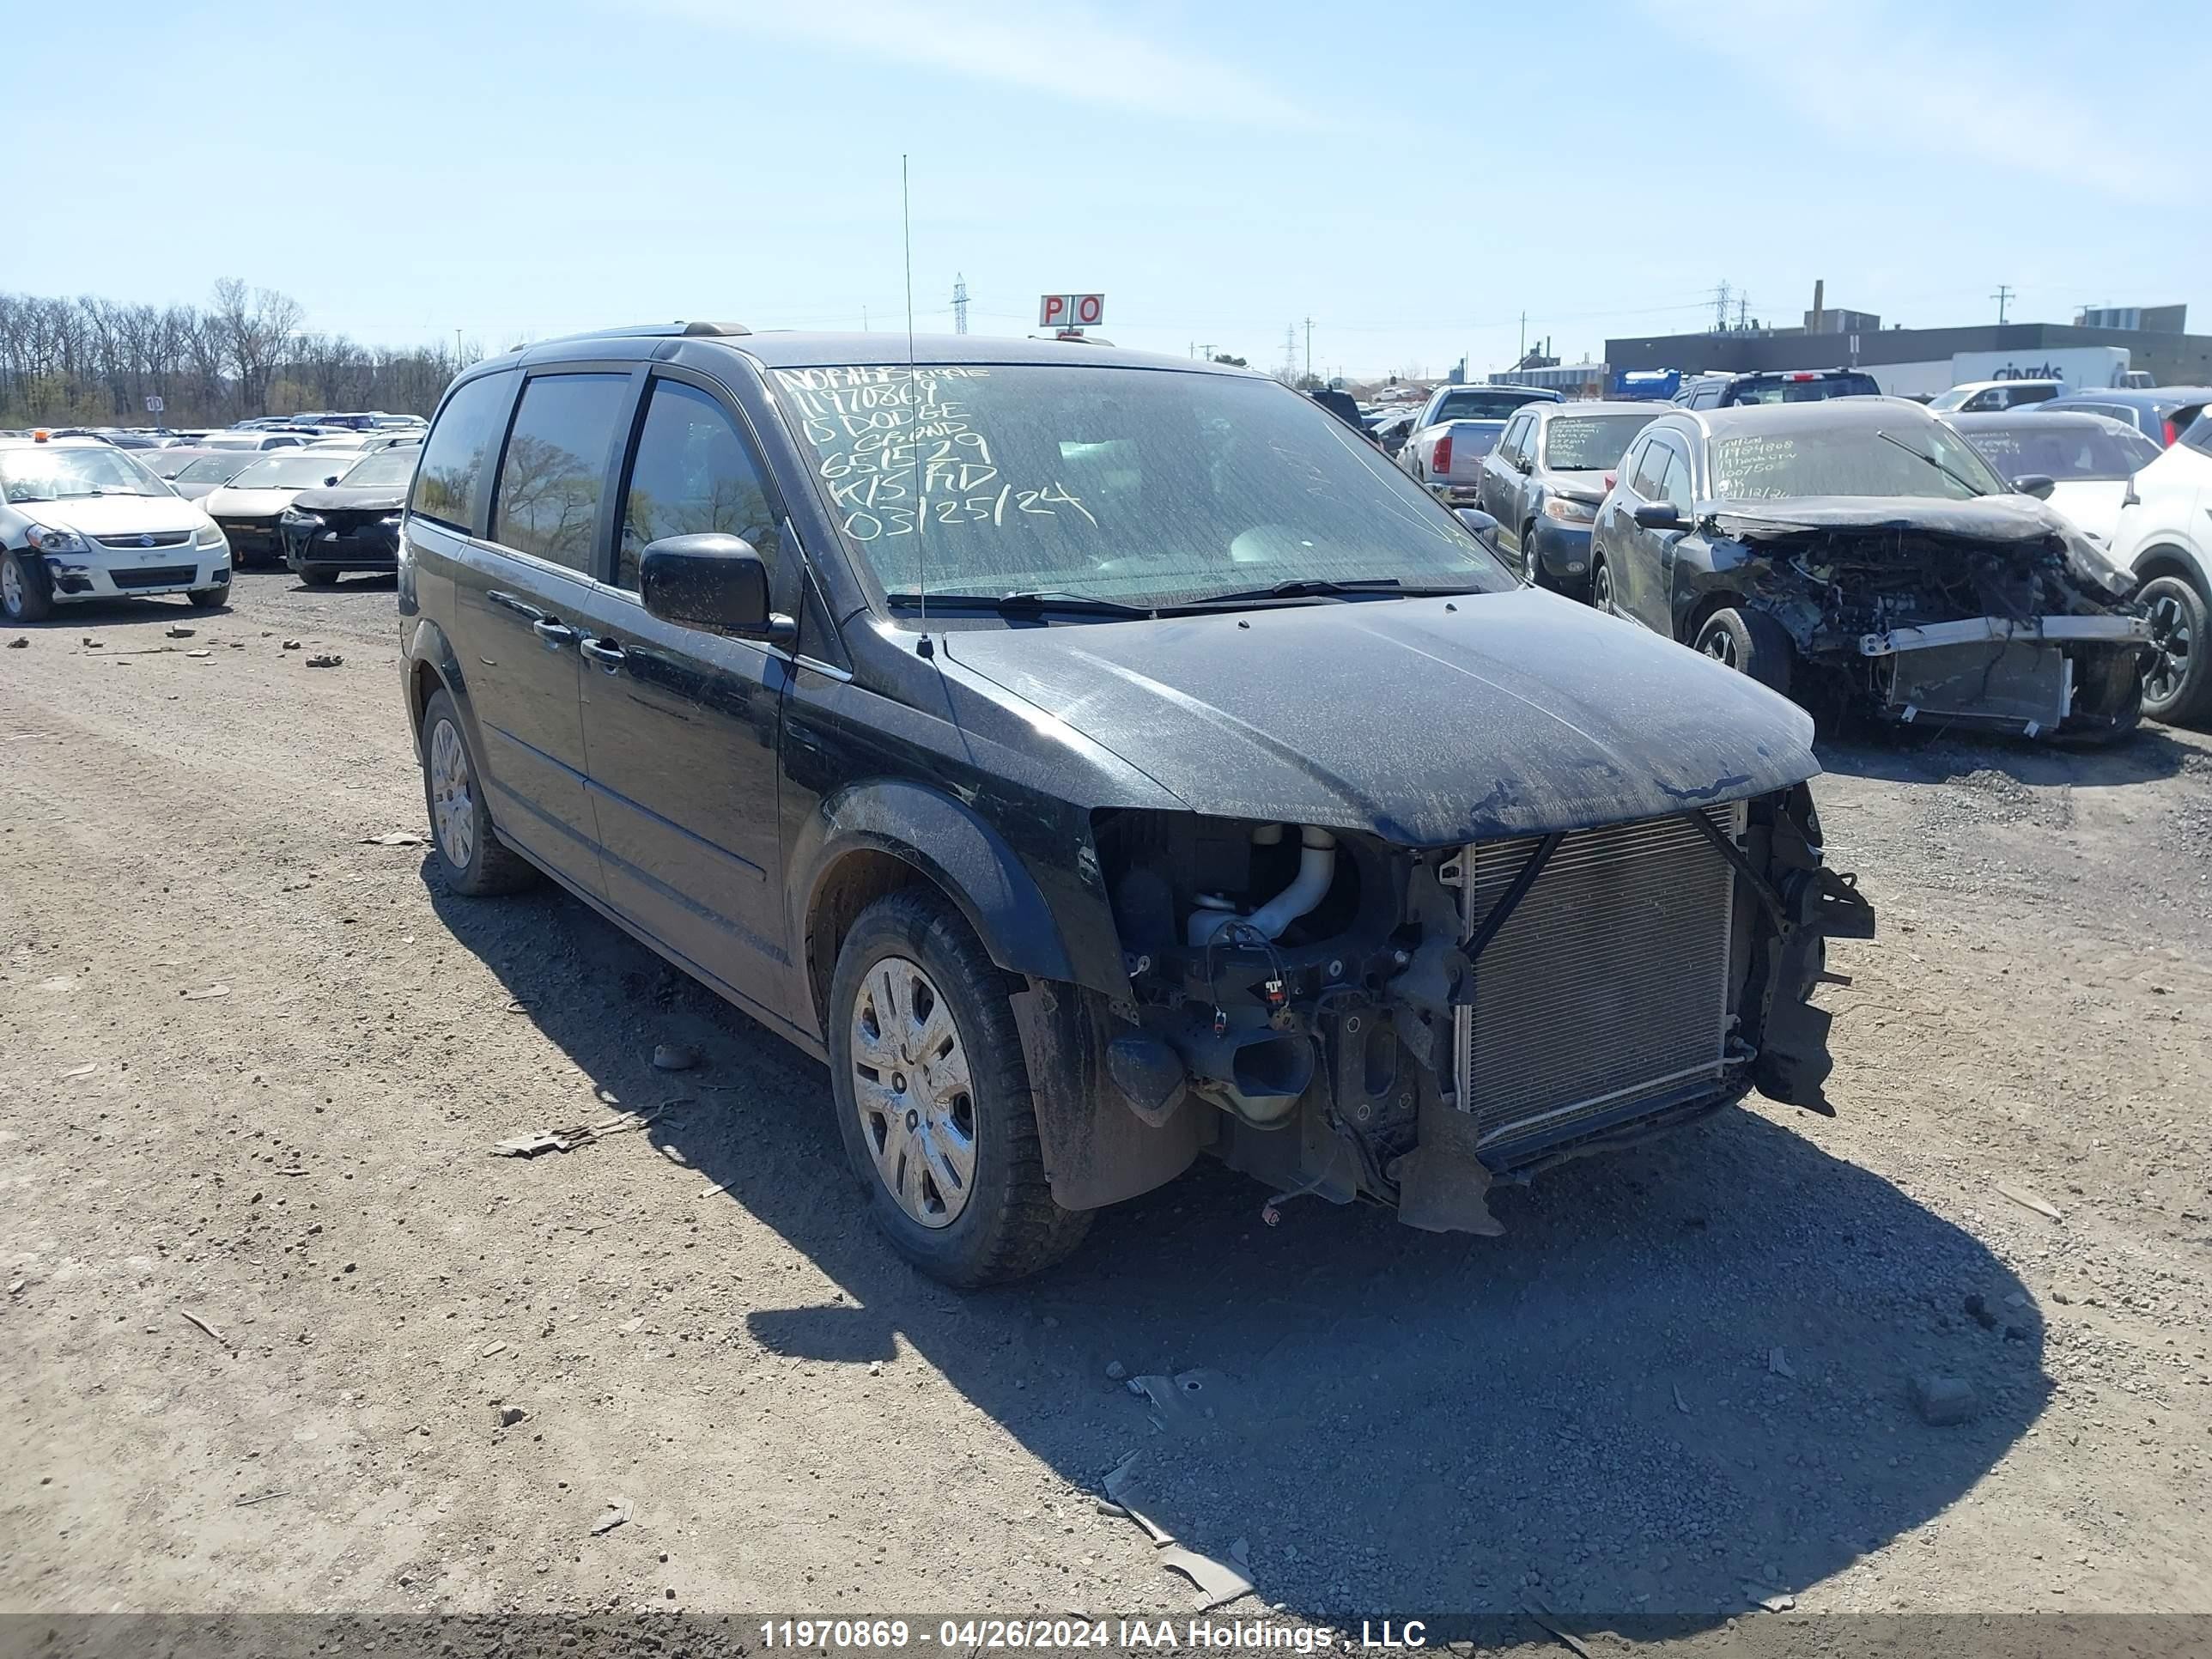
x=1684, y=1370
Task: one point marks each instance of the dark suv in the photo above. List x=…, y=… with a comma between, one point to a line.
x=1786, y=386
x=1096, y=759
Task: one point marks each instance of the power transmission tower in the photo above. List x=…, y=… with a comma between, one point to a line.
x=959, y=304
x=1290, y=352
x=1722, y=295
x=2001, y=296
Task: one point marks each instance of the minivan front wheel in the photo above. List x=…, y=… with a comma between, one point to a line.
x=933, y=1097
x=476, y=861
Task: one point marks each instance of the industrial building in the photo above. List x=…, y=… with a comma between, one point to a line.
x=2103, y=348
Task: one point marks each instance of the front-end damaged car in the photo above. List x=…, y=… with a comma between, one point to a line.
x=1099, y=761
x=1861, y=552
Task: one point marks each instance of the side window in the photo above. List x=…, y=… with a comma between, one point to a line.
x=1651, y=470
x=1632, y=461
x=694, y=473
x=1675, y=486
x=548, y=504
x=446, y=484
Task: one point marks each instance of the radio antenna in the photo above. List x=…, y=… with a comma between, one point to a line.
x=913, y=392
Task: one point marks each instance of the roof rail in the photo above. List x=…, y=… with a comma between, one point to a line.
x=641, y=331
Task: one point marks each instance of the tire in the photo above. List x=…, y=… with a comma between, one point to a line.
x=1750, y=644
x=475, y=860
x=1600, y=588
x=24, y=593
x=208, y=598
x=909, y=958
x=2177, y=684
x=316, y=576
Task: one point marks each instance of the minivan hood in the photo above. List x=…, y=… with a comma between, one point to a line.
x=1427, y=721
x=116, y=515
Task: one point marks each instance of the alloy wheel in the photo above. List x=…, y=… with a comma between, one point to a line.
x=2171, y=634
x=11, y=585
x=1601, y=589
x=913, y=1090
x=1720, y=645
x=452, y=806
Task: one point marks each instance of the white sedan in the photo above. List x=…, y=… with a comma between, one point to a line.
x=80, y=519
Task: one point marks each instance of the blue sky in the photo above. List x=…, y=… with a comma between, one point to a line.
x=1413, y=178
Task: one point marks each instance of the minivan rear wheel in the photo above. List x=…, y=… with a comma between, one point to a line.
x=475, y=860
x=934, y=1099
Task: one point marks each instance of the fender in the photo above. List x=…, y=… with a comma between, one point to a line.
x=946, y=841
x=428, y=646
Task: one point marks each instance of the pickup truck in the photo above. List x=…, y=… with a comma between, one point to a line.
x=1455, y=429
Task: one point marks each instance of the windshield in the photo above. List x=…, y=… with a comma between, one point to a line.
x=217, y=469
x=289, y=473
x=168, y=463
x=68, y=475
x=2059, y=450
x=1858, y=460
x=386, y=466
x=1140, y=485
x=1589, y=443
x=1493, y=403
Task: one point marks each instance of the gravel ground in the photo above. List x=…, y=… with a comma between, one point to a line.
x=1679, y=1380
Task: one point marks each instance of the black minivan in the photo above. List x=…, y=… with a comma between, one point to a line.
x=1098, y=759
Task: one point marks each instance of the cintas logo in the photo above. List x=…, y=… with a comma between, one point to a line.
x=2039, y=372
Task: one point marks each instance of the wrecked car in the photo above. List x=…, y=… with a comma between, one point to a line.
x=1861, y=552
x=1099, y=760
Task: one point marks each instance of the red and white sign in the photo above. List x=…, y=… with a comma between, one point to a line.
x=1071, y=311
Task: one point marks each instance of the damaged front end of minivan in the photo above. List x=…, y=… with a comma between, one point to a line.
x=1339, y=1016
x=1983, y=615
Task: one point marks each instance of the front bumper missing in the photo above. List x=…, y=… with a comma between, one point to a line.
x=2116, y=630
x=1993, y=673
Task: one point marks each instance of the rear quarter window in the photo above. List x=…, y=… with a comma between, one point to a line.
x=449, y=484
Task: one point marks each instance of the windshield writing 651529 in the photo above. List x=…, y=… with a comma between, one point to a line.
x=1108, y=483
x=898, y=450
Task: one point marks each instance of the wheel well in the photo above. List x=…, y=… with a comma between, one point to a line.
x=421, y=687
x=2171, y=561
x=854, y=883
x=1694, y=623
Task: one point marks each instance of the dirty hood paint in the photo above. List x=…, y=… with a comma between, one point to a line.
x=1426, y=721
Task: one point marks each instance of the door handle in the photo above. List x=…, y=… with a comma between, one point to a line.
x=606, y=653
x=512, y=603
x=552, y=629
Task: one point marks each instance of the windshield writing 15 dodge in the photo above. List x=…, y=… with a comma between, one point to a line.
x=1108, y=483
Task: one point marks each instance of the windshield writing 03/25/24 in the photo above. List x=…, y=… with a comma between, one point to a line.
x=898, y=452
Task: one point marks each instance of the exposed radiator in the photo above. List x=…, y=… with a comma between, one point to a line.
x=1608, y=986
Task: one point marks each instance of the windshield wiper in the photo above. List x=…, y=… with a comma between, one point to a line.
x=1027, y=602
x=1959, y=478
x=1320, y=587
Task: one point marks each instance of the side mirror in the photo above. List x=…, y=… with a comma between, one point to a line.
x=713, y=581
x=1480, y=525
x=2037, y=484
x=330, y=483
x=1659, y=515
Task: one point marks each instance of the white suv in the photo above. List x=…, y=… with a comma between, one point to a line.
x=2165, y=536
x=81, y=521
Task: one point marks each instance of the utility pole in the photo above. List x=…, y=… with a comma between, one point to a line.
x=457, y=343
x=2001, y=296
x=959, y=303
x=1206, y=352
x=1309, y=347
x=1524, y=351
x=1742, y=310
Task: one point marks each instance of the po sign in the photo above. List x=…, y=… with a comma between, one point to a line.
x=1070, y=310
